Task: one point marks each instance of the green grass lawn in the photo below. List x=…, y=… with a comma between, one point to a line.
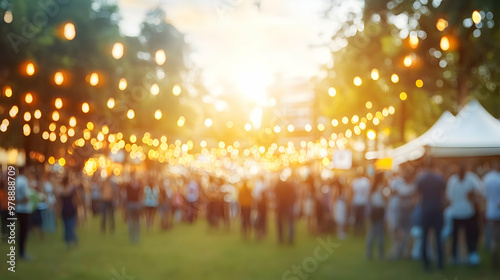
x=192, y=252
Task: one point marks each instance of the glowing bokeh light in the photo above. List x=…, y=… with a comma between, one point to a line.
x=69, y=31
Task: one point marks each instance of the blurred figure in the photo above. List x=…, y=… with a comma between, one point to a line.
x=150, y=202
x=48, y=215
x=192, y=196
x=96, y=196
x=492, y=194
x=377, y=204
x=462, y=191
x=39, y=206
x=4, y=204
x=133, y=198
x=340, y=210
x=309, y=206
x=404, y=190
x=108, y=207
x=68, y=212
x=245, y=200
x=261, y=197
x=285, y=194
x=361, y=190
x=165, y=206
x=431, y=186
x=23, y=211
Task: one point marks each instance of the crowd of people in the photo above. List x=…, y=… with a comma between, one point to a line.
x=406, y=206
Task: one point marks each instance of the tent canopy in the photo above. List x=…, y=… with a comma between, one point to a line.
x=473, y=133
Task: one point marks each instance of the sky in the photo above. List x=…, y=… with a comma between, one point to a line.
x=240, y=46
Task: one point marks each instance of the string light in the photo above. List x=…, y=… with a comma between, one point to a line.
x=117, y=50
x=28, y=98
x=160, y=57
x=69, y=31
x=444, y=43
x=176, y=90
x=7, y=91
x=30, y=69
x=158, y=114
x=122, y=85
x=58, y=78
x=85, y=107
x=58, y=103
x=111, y=103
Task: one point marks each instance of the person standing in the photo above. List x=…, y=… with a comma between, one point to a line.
x=361, y=190
x=96, y=196
x=108, y=208
x=68, y=211
x=285, y=194
x=192, y=195
x=245, y=199
x=48, y=216
x=404, y=190
x=492, y=194
x=4, y=206
x=377, y=213
x=462, y=189
x=430, y=185
x=151, y=202
x=134, y=193
x=23, y=211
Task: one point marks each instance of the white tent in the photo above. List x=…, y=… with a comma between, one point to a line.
x=473, y=133
x=415, y=149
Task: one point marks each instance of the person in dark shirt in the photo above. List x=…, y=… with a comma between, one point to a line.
x=134, y=194
x=285, y=199
x=68, y=195
x=431, y=187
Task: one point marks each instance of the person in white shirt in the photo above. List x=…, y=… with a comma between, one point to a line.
x=361, y=189
x=461, y=190
x=492, y=194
